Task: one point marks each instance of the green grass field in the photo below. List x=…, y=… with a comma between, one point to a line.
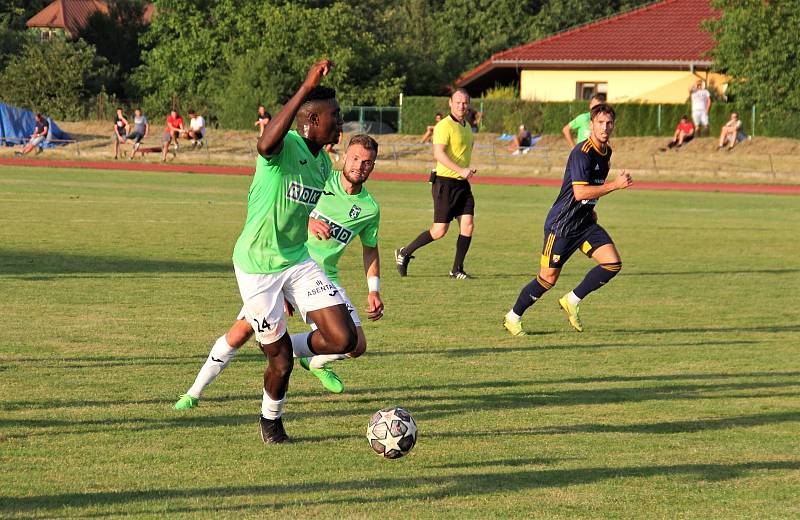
x=681, y=399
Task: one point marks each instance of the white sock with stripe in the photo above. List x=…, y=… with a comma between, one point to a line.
x=219, y=357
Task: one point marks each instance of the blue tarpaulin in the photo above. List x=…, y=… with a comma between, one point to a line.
x=17, y=125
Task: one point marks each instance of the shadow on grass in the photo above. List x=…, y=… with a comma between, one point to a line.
x=428, y=404
x=365, y=491
x=747, y=272
x=43, y=262
x=247, y=356
x=659, y=428
x=506, y=349
x=793, y=327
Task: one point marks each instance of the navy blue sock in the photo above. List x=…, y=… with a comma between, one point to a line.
x=423, y=239
x=462, y=246
x=596, y=278
x=529, y=294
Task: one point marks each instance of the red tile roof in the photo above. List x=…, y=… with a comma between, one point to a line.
x=73, y=15
x=666, y=33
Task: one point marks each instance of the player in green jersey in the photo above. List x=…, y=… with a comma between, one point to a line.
x=344, y=210
x=271, y=261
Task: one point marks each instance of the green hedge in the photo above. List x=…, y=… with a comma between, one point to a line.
x=633, y=119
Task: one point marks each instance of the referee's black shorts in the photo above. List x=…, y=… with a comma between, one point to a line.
x=451, y=198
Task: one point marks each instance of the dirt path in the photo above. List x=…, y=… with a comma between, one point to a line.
x=782, y=189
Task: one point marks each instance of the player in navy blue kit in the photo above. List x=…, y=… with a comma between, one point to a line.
x=572, y=225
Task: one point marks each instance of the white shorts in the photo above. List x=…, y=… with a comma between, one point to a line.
x=700, y=117
x=304, y=285
x=350, y=308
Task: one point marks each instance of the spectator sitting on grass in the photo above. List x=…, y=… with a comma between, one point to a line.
x=174, y=126
x=684, y=133
x=263, y=118
x=120, y=131
x=37, y=137
x=521, y=143
x=731, y=132
x=426, y=137
x=197, y=129
x=140, y=129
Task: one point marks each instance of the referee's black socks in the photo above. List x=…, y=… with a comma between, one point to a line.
x=462, y=246
x=423, y=239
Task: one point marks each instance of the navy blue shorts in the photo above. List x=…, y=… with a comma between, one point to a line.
x=557, y=250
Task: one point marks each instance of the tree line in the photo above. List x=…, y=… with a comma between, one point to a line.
x=225, y=57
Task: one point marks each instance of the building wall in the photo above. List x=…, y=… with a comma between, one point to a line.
x=651, y=86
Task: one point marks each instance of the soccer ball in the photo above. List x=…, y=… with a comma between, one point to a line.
x=392, y=432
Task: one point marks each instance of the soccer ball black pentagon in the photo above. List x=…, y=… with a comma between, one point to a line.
x=392, y=432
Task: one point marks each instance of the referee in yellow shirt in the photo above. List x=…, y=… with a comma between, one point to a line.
x=452, y=194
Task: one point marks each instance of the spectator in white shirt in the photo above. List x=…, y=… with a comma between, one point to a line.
x=701, y=104
x=197, y=129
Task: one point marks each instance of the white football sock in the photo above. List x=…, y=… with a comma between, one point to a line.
x=513, y=316
x=323, y=359
x=300, y=345
x=270, y=408
x=572, y=299
x=219, y=357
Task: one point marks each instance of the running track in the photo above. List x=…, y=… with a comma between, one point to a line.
x=775, y=189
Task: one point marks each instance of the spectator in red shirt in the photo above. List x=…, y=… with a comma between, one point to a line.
x=684, y=133
x=174, y=126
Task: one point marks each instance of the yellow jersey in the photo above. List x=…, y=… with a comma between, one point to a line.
x=457, y=140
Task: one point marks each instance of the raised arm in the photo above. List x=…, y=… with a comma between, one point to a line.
x=372, y=268
x=271, y=140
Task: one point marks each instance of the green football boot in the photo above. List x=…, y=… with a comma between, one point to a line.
x=330, y=381
x=514, y=327
x=186, y=402
x=572, y=313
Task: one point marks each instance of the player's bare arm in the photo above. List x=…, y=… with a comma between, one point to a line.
x=271, y=141
x=440, y=154
x=319, y=229
x=372, y=268
x=585, y=192
x=567, y=131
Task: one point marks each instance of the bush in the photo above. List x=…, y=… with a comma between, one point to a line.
x=57, y=78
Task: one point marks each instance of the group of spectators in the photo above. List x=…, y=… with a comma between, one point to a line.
x=137, y=130
x=730, y=134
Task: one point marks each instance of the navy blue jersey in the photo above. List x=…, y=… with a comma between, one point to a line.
x=586, y=165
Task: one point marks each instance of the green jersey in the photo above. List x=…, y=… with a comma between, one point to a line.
x=284, y=191
x=348, y=216
x=581, y=123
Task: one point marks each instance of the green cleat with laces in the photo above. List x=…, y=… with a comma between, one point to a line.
x=330, y=381
x=186, y=402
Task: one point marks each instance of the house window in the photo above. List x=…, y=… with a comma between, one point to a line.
x=587, y=89
x=47, y=34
